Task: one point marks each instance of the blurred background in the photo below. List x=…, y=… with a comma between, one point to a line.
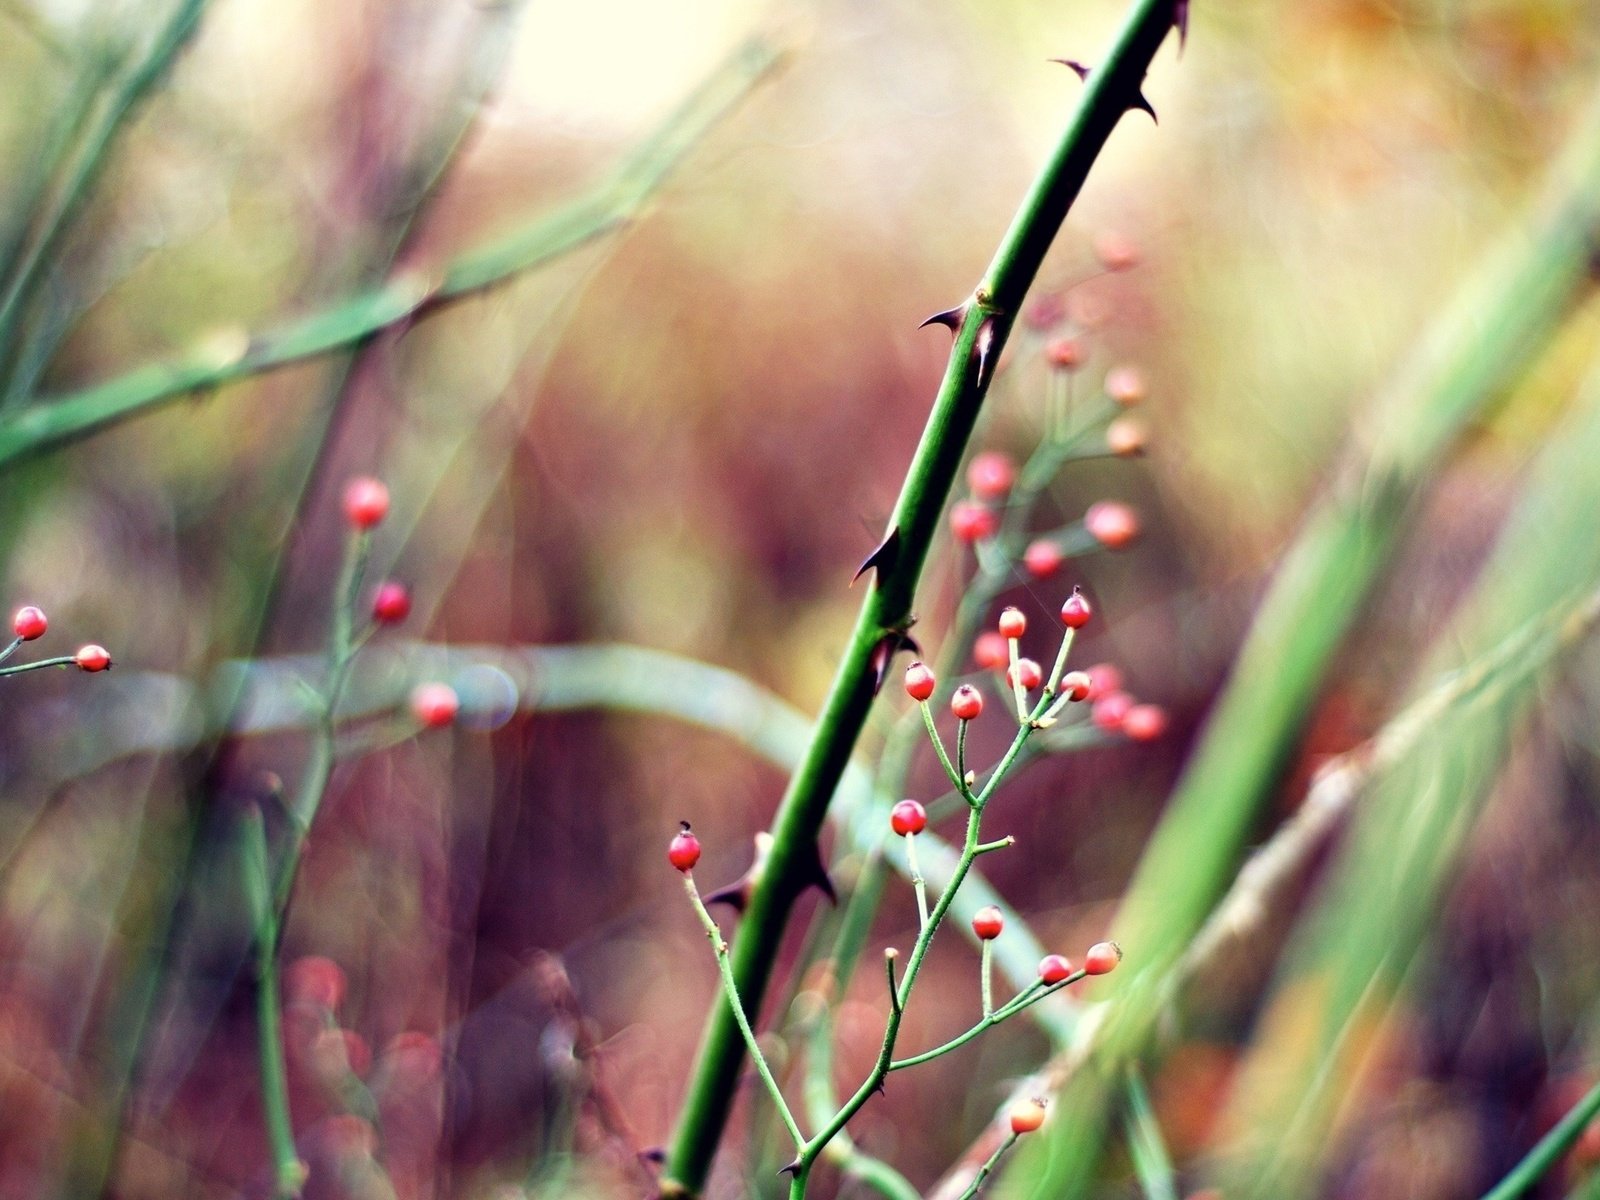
x=683, y=433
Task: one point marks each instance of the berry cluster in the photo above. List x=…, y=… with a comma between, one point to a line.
x=29, y=625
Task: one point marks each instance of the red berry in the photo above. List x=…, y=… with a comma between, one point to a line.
x=1075, y=613
x=1053, y=968
x=1045, y=312
x=314, y=981
x=1104, y=678
x=92, y=658
x=366, y=502
x=1043, y=558
x=1126, y=437
x=1110, y=709
x=1026, y=1116
x=1065, y=354
x=972, y=522
x=29, y=623
x=919, y=681
x=391, y=604
x=434, y=705
x=1028, y=672
x=1075, y=685
x=1102, y=958
x=1125, y=385
x=1116, y=251
x=1111, y=523
x=990, y=651
x=967, y=703
x=991, y=474
x=684, y=850
x=1012, y=623
x=908, y=817
x=987, y=922
x=1144, y=722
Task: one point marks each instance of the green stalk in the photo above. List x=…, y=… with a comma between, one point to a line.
x=988, y=1167
x=1549, y=1149
x=983, y=324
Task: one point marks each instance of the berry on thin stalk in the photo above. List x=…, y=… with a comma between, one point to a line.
x=972, y=522
x=1042, y=558
x=391, y=603
x=920, y=682
x=1102, y=958
x=987, y=922
x=29, y=623
x=1026, y=1116
x=1075, y=613
x=908, y=817
x=684, y=849
x=1053, y=968
x=991, y=474
x=434, y=705
x=990, y=652
x=366, y=502
x=92, y=658
x=966, y=703
x=1012, y=623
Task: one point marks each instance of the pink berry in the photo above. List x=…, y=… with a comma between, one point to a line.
x=315, y=981
x=1075, y=613
x=972, y=522
x=987, y=922
x=991, y=474
x=1125, y=385
x=1025, y=1116
x=1126, y=437
x=29, y=623
x=908, y=817
x=1043, y=558
x=1027, y=672
x=366, y=502
x=1053, y=968
x=1109, y=711
x=967, y=703
x=391, y=604
x=919, y=681
x=1116, y=251
x=434, y=705
x=92, y=658
x=1064, y=354
x=1045, y=312
x=1102, y=958
x=684, y=850
x=1012, y=623
x=1144, y=722
x=1104, y=678
x=1075, y=686
x=990, y=651
x=1112, y=524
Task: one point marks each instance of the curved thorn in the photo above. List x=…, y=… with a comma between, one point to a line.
x=883, y=556
x=816, y=875
x=1180, y=18
x=950, y=318
x=1143, y=105
x=790, y=1168
x=1077, y=67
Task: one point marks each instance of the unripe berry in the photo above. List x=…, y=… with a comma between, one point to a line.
x=391, y=603
x=684, y=850
x=1104, y=678
x=1116, y=251
x=1064, y=354
x=987, y=922
x=29, y=623
x=1043, y=558
x=967, y=703
x=1027, y=672
x=1110, y=710
x=92, y=658
x=991, y=474
x=1053, y=968
x=1025, y=1116
x=1111, y=523
x=908, y=817
x=1075, y=613
x=1144, y=722
x=1075, y=686
x=1102, y=958
x=990, y=651
x=972, y=522
x=366, y=502
x=434, y=705
x=1012, y=623
x=1125, y=385
x=919, y=681
x=1126, y=437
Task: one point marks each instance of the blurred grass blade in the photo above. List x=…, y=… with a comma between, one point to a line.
x=1151, y=1162
x=1548, y=1152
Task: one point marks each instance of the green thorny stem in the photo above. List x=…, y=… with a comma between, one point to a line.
x=988, y=1167
x=982, y=325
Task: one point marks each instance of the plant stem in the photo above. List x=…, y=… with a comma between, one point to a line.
x=988, y=1167
x=918, y=883
x=66, y=660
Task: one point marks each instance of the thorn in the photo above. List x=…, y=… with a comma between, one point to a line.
x=790, y=1168
x=1180, y=18
x=814, y=874
x=653, y=1155
x=736, y=895
x=1143, y=105
x=883, y=654
x=879, y=1090
x=982, y=345
x=882, y=558
x=950, y=318
x=1077, y=68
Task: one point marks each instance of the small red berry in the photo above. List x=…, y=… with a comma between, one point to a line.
x=1111, y=523
x=1027, y=672
x=1053, y=968
x=1065, y=354
x=972, y=522
x=1075, y=685
x=92, y=658
x=366, y=502
x=1110, y=710
x=908, y=817
x=1125, y=385
x=1075, y=613
x=987, y=922
x=967, y=702
x=1144, y=722
x=1102, y=958
x=434, y=705
x=29, y=623
x=919, y=681
x=684, y=850
x=991, y=474
x=391, y=604
x=315, y=981
x=1026, y=1116
x=1126, y=437
x=1104, y=678
x=1116, y=251
x=1012, y=623
x=990, y=651
x=1043, y=558
x=1045, y=312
